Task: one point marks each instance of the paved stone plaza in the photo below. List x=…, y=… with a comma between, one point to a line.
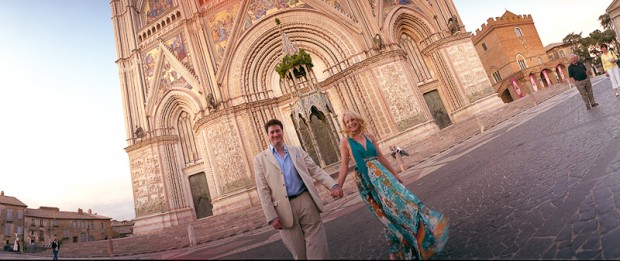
x=541, y=185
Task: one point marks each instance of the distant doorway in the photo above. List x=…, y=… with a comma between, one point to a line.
x=200, y=195
x=317, y=137
x=506, y=97
x=437, y=109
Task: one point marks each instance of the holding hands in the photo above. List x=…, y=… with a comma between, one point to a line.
x=337, y=192
x=276, y=224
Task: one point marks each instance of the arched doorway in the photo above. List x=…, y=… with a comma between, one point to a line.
x=545, y=75
x=190, y=155
x=506, y=97
x=325, y=142
x=533, y=83
x=561, y=72
x=316, y=135
x=305, y=137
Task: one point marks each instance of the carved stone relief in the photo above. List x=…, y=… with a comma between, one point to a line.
x=375, y=103
x=247, y=136
x=223, y=143
x=147, y=182
x=470, y=71
x=399, y=97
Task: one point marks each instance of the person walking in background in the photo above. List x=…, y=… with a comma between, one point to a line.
x=579, y=77
x=609, y=60
x=284, y=181
x=55, y=247
x=16, y=243
x=411, y=229
x=397, y=153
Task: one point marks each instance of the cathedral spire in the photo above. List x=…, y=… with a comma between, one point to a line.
x=287, y=46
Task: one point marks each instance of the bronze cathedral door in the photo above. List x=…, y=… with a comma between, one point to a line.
x=200, y=195
x=437, y=109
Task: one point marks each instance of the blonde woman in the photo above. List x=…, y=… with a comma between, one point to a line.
x=404, y=216
x=612, y=71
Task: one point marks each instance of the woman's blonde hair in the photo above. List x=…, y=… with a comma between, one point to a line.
x=356, y=116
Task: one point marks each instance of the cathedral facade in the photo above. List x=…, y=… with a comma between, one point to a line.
x=199, y=80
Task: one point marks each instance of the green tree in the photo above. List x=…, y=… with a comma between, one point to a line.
x=587, y=48
x=573, y=39
x=579, y=45
x=605, y=21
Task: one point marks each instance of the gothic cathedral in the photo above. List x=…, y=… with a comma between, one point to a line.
x=199, y=78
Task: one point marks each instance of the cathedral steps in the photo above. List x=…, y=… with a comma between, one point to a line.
x=206, y=230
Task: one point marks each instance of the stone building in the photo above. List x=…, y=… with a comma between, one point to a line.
x=613, y=10
x=11, y=218
x=122, y=228
x=198, y=82
x=514, y=57
x=45, y=222
x=561, y=52
x=40, y=225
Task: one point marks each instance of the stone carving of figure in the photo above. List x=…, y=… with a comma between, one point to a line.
x=453, y=25
x=377, y=43
x=139, y=132
x=211, y=101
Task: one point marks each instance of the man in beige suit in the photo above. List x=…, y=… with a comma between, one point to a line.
x=284, y=180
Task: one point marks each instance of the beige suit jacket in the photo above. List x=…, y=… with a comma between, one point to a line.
x=272, y=189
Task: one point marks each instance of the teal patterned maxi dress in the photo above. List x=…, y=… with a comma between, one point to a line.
x=411, y=228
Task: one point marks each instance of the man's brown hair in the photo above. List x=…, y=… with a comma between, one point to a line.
x=273, y=122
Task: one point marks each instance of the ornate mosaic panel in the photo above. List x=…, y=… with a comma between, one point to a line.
x=388, y=5
x=470, y=71
x=147, y=183
x=170, y=78
x=150, y=60
x=339, y=5
x=177, y=46
x=221, y=25
x=155, y=8
x=257, y=9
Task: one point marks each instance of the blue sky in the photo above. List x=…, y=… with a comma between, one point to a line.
x=61, y=113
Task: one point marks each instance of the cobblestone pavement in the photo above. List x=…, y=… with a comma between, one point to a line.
x=543, y=188
x=543, y=184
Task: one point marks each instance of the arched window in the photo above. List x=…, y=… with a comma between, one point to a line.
x=521, y=62
x=497, y=76
x=518, y=32
x=414, y=55
x=186, y=135
x=484, y=46
x=540, y=61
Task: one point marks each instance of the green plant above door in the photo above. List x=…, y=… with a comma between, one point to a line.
x=293, y=61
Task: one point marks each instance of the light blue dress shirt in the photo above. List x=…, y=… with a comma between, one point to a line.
x=294, y=184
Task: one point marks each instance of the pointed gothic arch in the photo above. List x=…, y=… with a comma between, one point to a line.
x=405, y=19
x=173, y=101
